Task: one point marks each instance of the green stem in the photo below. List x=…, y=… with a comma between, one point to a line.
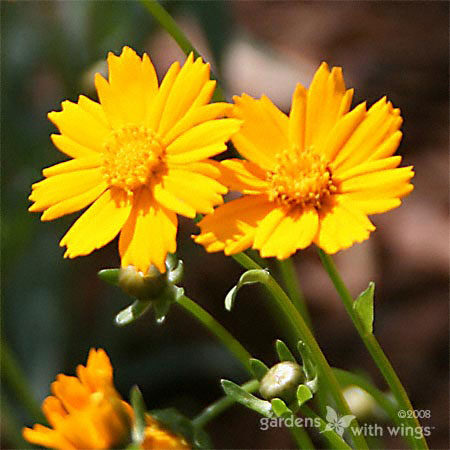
x=374, y=349
x=300, y=435
x=294, y=291
x=333, y=438
x=206, y=319
x=219, y=406
x=15, y=378
x=298, y=325
x=168, y=23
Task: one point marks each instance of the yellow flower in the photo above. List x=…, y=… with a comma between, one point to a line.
x=314, y=176
x=139, y=156
x=86, y=412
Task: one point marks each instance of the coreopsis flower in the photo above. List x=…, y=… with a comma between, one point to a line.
x=140, y=156
x=86, y=412
x=314, y=176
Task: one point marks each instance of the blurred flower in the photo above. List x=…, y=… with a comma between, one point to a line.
x=311, y=177
x=86, y=412
x=140, y=156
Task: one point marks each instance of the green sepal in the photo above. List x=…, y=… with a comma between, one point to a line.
x=258, y=368
x=238, y=394
x=175, y=275
x=111, y=276
x=303, y=394
x=250, y=277
x=132, y=312
x=279, y=408
x=363, y=306
x=179, y=424
x=137, y=402
x=284, y=354
x=309, y=367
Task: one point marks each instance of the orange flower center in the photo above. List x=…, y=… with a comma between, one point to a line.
x=300, y=178
x=132, y=155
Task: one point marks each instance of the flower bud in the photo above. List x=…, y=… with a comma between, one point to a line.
x=281, y=381
x=140, y=286
x=361, y=403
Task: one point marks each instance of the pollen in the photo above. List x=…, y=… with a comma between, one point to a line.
x=300, y=178
x=132, y=156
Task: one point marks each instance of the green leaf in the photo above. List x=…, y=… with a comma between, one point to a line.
x=363, y=306
x=250, y=277
x=303, y=394
x=137, y=402
x=279, y=407
x=284, y=354
x=238, y=394
x=309, y=367
x=179, y=424
x=258, y=368
x=111, y=276
x=132, y=312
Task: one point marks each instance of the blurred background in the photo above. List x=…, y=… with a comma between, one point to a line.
x=54, y=310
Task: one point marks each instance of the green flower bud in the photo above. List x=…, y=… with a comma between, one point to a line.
x=281, y=381
x=140, y=286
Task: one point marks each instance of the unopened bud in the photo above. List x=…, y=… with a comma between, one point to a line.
x=281, y=381
x=140, y=286
x=361, y=403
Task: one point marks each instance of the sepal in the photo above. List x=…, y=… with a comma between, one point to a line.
x=363, y=306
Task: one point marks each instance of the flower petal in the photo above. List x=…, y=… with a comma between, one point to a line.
x=202, y=141
x=148, y=235
x=232, y=227
x=297, y=117
x=86, y=162
x=99, y=225
x=264, y=132
x=244, y=176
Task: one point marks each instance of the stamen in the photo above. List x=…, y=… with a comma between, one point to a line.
x=132, y=155
x=301, y=178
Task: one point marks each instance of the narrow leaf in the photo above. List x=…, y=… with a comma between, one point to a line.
x=132, y=312
x=238, y=394
x=279, y=407
x=250, y=277
x=363, y=306
x=258, y=368
x=284, y=354
x=303, y=394
x=137, y=402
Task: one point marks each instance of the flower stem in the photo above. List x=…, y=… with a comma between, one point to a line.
x=374, y=349
x=168, y=23
x=15, y=378
x=206, y=319
x=294, y=291
x=298, y=325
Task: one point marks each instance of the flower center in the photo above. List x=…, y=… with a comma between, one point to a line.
x=300, y=178
x=132, y=155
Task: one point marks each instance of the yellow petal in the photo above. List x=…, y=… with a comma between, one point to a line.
x=72, y=394
x=189, y=83
x=74, y=204
x=61, y=187
x=202, y=141
x=93, y=108
x=148, y=235
x=243, y=176
x=80, y=126
x=381, y=121
x=87, y=162
x=46, y=437
x=70, y=147
x=99, y=225
x=53, y=410
x=156, y=109
x=297, y=117
x=295, y=230
x=341, y=225
x=264, y=132
x=367, y=167
x=232, y=226
x=327, y=101
x=199, y=192
x=195, y=117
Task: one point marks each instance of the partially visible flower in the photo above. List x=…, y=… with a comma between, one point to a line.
x=140, y=157
x=86, y=412
x=314, y=176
